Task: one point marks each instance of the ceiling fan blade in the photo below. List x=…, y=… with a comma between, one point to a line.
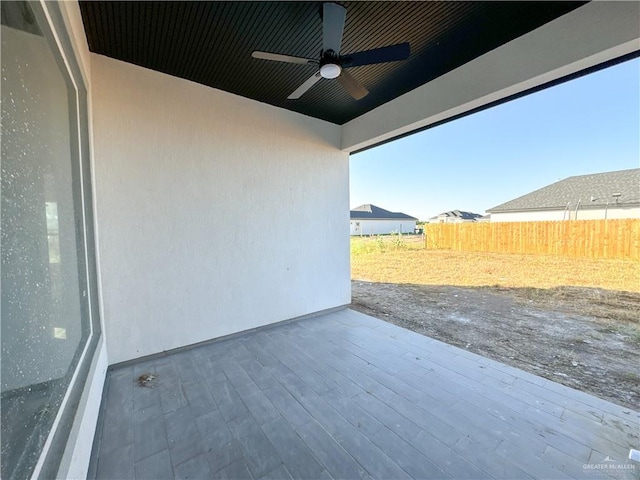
x=298, y=92
x=276, y=57
x=352, y=86
x=333, y=16
x=392, y=53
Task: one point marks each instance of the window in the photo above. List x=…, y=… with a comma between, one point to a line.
x=49, y=316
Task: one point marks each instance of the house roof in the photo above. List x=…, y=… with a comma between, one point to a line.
x=211, y=43
x=593, y=190
x=371, y=212
x=459, y=214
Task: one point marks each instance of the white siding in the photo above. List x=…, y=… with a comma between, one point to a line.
x=380, y=227
x=217, y=213
x=586, y=214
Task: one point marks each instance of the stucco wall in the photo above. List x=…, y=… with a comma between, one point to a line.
x=217, y=213
x=377, y=227
x=585, y=214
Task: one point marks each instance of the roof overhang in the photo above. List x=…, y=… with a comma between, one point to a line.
x=214, y=42
x=405, y=219
x=593, y=36
x=466, y=56
x=582, y=206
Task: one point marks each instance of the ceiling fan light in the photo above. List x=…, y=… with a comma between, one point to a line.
x=330, y=70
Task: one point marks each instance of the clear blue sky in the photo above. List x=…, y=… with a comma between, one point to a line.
x=588, y=125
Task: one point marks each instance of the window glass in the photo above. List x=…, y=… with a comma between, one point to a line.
x=43, y=304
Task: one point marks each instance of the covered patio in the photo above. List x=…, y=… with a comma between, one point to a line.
x=176, y=173
x=345, y=395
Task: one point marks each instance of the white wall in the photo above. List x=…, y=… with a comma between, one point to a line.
x=380, y=227
x=585, y=214
x=217, y=213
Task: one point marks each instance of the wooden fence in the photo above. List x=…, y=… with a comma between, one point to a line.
x=574, y=238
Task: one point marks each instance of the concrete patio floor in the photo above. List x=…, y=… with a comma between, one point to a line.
x=344, y=395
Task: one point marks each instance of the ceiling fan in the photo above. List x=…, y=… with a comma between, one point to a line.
x=333, y=65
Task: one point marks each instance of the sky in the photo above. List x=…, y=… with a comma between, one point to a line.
x=587, y=125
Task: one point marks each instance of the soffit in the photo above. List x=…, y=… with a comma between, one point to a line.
x=211, y=43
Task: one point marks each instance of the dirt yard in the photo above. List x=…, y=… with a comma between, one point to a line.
x=584, y=337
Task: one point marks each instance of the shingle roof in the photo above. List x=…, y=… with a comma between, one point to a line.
x=593, y=190
x=459, y=214
x=371, y=212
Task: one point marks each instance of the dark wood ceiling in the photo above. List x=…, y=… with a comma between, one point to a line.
x=211, y=43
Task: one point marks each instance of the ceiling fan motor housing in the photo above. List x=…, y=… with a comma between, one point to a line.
x=330, y=65
x=330, y=70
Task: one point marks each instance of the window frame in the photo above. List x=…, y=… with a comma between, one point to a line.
x=54, y=29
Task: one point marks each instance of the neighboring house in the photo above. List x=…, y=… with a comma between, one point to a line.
x=455, y=216
x=584, y=197
x=371, y=220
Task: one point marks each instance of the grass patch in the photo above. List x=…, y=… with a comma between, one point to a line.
x=384, y=259
x=383, y=243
